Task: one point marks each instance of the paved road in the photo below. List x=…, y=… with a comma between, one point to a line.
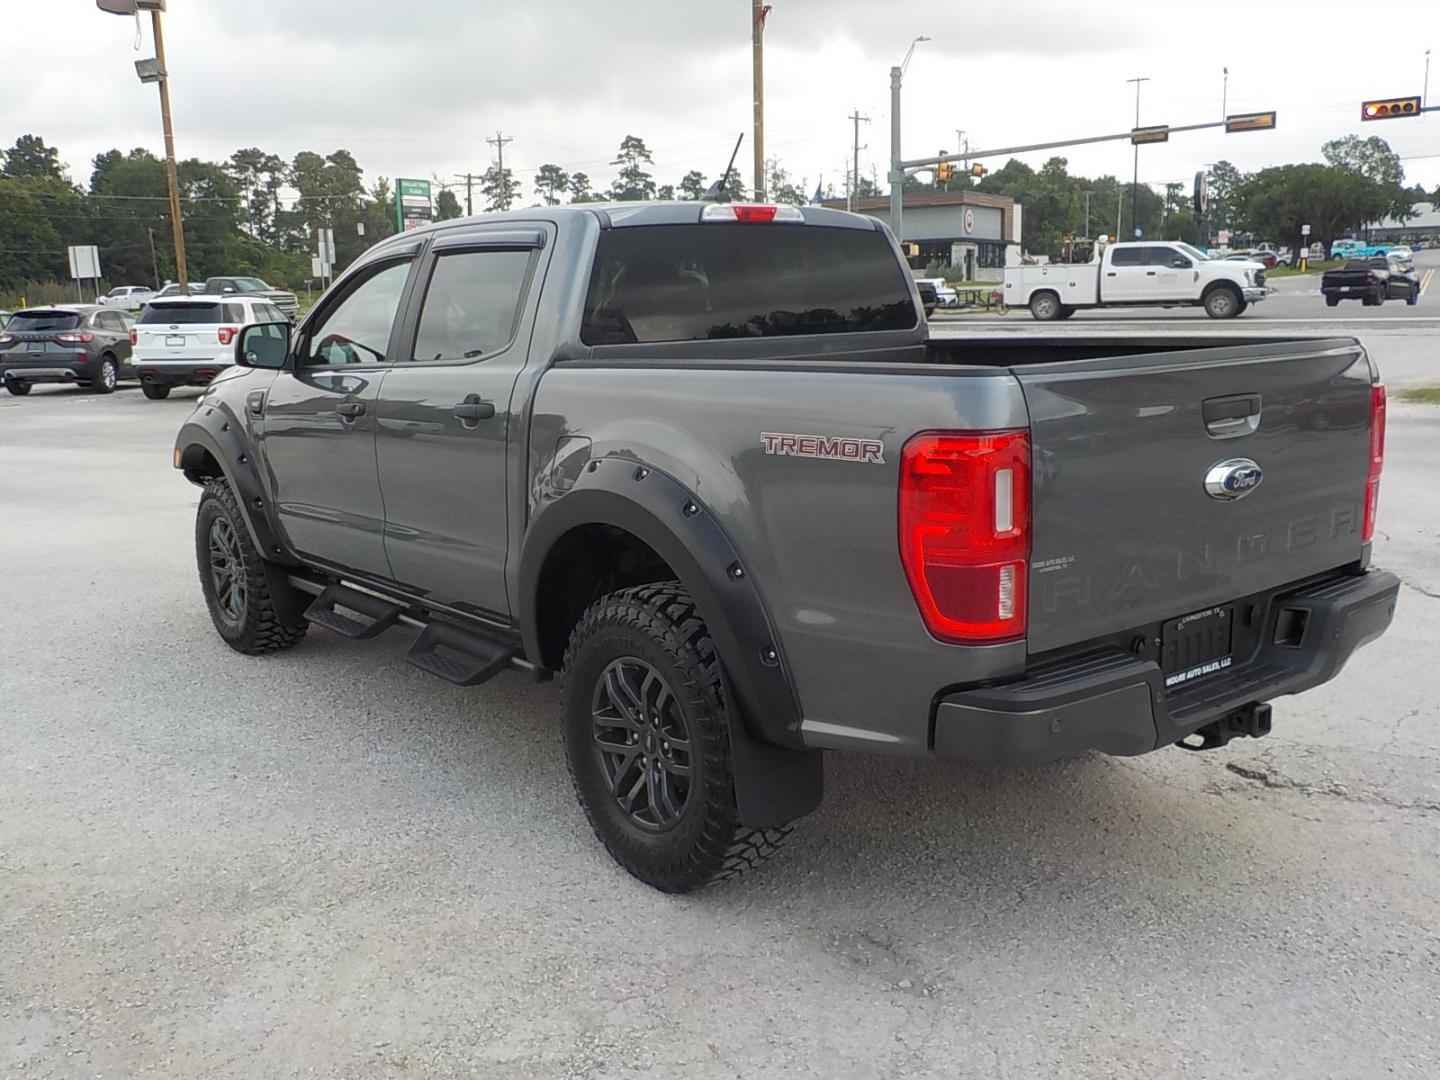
x=326, y=864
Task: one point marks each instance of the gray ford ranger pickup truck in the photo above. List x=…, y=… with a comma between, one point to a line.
x=707, y=462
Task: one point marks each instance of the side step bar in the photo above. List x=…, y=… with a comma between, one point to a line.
x=459, y=656
x=380, y=614
x=454, y=653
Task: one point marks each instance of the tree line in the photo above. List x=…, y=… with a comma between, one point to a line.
x=257, y=213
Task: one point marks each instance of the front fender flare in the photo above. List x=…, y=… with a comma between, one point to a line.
x=211, y=431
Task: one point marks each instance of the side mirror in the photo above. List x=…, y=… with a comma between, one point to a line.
x=227, y=289
x=263, y=345
x=1180, y=263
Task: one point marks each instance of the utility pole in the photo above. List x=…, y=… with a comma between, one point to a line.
x=469, y=194
x=1087, y=214
x=1224, y=94
x=170, y=173
x=1135, y=182
x=500, y=141
x=853, y=193
x=758, y=13
x=154, y=262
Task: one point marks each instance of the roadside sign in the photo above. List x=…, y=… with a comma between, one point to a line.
x=412, y=204
x=317, y=268
x=1150, y=134
x=1222, y=237
x=84, y=262
x=1202, y=195
x=1304, y=230
x=1255, y=121
x=969, y=220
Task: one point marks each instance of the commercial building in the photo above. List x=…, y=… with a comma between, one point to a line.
x=969, y=230
x=1425, y=224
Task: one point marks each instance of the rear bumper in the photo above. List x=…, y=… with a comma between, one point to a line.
x=179, y=372
x=38, y=373
x=1116, y=703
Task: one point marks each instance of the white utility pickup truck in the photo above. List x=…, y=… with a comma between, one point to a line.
x=1172, y=274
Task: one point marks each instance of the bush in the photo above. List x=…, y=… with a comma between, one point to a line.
x=40, y=293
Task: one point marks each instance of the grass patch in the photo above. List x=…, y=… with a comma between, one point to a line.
x=1316, y=267
x=1422, y=395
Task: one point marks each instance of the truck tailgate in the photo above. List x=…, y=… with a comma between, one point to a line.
x=1125, y=534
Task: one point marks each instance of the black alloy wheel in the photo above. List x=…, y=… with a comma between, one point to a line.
x=643, y=743
x=227, y=571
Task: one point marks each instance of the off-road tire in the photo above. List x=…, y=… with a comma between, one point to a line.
x=154, y=391
x=258, y=626
x=658, y=625
x=106, y=375
x=17, y=387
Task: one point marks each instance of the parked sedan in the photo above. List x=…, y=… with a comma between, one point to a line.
x=76, y=343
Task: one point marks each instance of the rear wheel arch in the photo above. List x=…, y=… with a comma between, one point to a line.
x=653, y=526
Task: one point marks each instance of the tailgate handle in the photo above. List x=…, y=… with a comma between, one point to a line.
x=1229, y=417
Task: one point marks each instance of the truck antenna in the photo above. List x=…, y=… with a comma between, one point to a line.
x=717, y=191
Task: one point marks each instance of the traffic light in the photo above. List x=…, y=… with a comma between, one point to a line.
x=944, y=170
x=1390, y=108
x=977, y=170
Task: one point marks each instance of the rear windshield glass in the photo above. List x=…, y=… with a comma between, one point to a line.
x=702, y=282
x=181, y=313
x=36, y=321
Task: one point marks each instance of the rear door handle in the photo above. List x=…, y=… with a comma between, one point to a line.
x=350, y=409
x=473, y=409
x=1110, y=273
x=1149, y=273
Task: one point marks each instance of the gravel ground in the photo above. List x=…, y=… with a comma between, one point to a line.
x=327, y=864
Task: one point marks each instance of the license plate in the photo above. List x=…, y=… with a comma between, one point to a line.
x=175, y=341
x=1197, y=645
x=1344, y=288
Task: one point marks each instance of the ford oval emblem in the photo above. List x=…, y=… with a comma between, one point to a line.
x=1233, y=479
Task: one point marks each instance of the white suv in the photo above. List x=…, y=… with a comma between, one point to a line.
x=186, y=341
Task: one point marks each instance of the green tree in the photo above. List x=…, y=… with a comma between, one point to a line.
x=551, y=183
x=447, y=206
x=780, y=187
x=500, y=188
x=1274, y=203
x=332, y=195
x=260, y=177
x=30, y=157
x=580, y=190
x=692, y=185
x=634, y=183
x=665, y=192
x=1221, y=181
x=1373, y=159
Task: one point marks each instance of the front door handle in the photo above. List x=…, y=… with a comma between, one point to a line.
x=473, y=409
x=350, y=409
x=1149, y=273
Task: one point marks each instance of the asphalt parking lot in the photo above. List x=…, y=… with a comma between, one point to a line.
x=327, y=864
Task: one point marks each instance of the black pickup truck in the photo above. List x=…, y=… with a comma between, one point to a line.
x=1372, y=281
x=706, y=462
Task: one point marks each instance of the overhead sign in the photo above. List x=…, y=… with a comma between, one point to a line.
x=1255, y=121
x=412, y=204
x=84, y=262
x=1150, y=135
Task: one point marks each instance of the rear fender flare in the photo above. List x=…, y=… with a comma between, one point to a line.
x=776, y=780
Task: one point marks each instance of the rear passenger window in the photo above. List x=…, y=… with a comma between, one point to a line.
x=472, y=304
x=234, y=313
x=1128, y=257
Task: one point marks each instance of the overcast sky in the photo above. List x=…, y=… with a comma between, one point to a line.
x=414, y=89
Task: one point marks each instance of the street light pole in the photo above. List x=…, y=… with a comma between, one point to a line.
x=897, y=170
x=1135, y=181
x=170, y=172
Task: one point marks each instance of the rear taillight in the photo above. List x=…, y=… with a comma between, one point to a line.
x=226, y=334
x=965, y=532
x=1377, y=459
x=134, y=336
x=79, y=337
